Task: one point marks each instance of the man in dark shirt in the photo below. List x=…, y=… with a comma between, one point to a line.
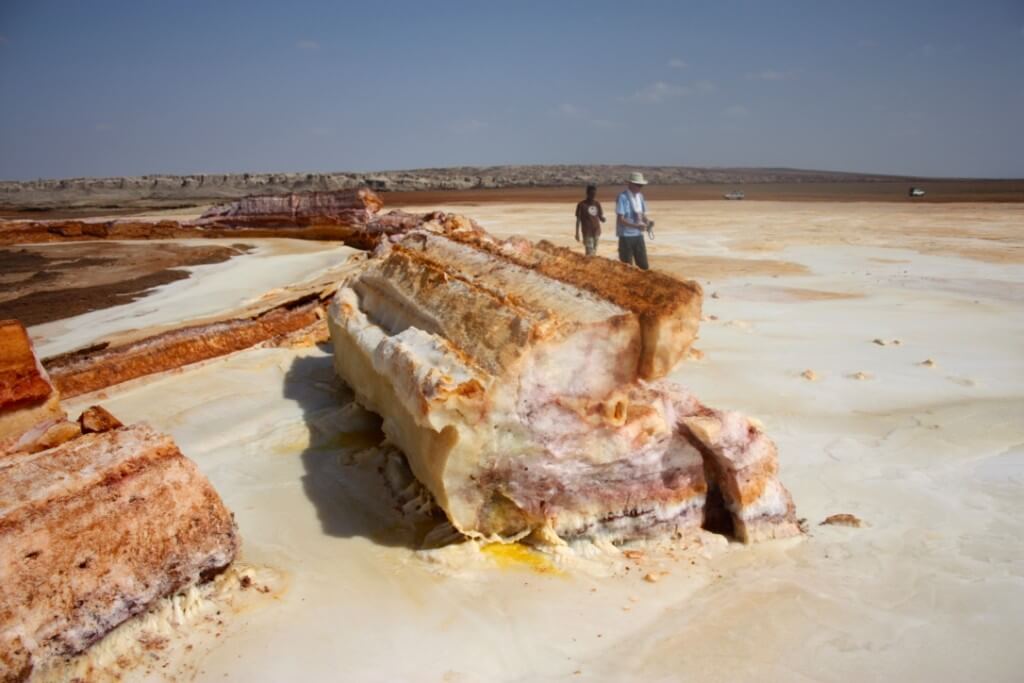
x=589, y=217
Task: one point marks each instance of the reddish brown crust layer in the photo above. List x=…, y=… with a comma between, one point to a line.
x=15, y=661
x=666, y=306
x=646, y=293
x=86, y=555
x=93, y=369
x=353, y=234
x=32, y=232
x=669, y=308
x=96, y=419
x=21, y=381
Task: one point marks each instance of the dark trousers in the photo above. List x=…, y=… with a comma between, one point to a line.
x=633, y=250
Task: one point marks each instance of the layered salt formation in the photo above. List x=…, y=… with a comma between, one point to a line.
x=94, y=528
x=354, y=207
x=93, y=532
x=292, y=315
x=345, y=215
x=349, y=216
x=522, y=383
x=92, y=369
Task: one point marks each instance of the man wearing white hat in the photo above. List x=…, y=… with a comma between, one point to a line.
x=631, y=222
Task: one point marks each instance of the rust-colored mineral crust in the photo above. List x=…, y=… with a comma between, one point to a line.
x=359, y=235
x=22, y=380
x=30, y=412
x=97, y=419
x=35, y=232
x=93, y=532
x=89, y=370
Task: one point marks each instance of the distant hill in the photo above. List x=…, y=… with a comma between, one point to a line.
x=155, y=191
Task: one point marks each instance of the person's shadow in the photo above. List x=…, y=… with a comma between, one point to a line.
x=344, y=465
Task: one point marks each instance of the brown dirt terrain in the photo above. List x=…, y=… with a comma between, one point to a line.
x=937, y=191
x=40, y=284
x=22, y=214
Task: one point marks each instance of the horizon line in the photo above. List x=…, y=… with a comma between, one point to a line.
x=482, y=167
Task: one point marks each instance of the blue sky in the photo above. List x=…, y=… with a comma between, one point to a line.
x=95, y=88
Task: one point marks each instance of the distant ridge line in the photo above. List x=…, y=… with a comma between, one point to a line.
x=163, y=190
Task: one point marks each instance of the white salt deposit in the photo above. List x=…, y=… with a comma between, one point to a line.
x=932, y=588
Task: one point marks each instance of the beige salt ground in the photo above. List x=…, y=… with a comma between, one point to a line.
x=931, y=459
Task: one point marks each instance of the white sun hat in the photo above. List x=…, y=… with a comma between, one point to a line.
x=637, y=178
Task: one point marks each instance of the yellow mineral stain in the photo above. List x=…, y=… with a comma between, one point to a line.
x=518, y=555
x=291, y=446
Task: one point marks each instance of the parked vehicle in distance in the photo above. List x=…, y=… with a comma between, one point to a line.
x=916, y=192
x=735, y=194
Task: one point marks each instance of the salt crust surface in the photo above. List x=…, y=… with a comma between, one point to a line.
x=932, y=459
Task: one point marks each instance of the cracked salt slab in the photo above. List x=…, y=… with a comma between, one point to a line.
x=212, y=289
